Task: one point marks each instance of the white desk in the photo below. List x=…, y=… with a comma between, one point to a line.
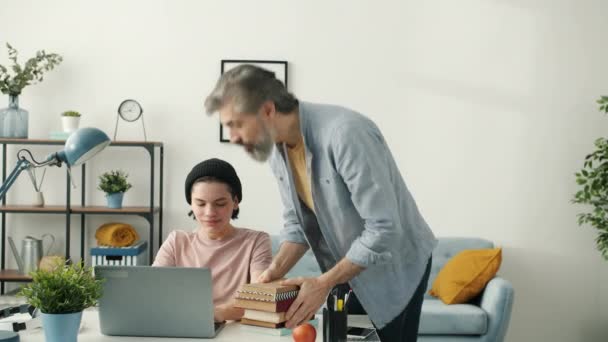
x=232, y=332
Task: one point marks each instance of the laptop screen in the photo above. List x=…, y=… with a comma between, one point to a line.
x=156, y=301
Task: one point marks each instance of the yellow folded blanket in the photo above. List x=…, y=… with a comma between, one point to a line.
x=116, y=235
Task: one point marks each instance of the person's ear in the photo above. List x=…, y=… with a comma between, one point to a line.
x=268, y=109
x=235, y=199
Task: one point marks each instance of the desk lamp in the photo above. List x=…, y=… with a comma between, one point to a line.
x=80, y=146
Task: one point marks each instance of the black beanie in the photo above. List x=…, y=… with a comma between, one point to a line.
x=218, y=169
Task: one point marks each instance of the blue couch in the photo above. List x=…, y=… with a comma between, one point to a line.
x=484, y=319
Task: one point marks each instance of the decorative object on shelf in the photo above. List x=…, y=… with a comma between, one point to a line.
x=31, y=252
x=50, y=263
x=279, y=68
x=70, y=121
x=114, y=184
x=14, y=120
x=39, y=196
x=61, y=296
x=120, y=256
x=594, y=188
x=59, y=135
x=83, y=144
x=116, y=234
x=130, y=111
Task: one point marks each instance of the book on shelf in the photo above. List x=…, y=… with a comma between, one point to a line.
x=59, y=135
x=272, y=317
x=281, y=331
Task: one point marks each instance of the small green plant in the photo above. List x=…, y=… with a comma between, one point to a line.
x=71, y=113
x=114, y=181
x=67, y=289
x=593, y=180
x=12, y=82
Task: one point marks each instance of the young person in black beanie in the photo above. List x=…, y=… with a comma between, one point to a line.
x=234, y=255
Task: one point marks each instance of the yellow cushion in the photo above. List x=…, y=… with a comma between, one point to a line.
x=465, y=275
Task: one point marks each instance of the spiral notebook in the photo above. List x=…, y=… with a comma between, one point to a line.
x=270, y=297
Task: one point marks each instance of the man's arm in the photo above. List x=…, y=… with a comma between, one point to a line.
x=344, y=271
x=288, y=255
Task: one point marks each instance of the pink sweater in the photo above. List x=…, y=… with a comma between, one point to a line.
x=231, y=261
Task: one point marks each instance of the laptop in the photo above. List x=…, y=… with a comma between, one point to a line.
x=156, y=301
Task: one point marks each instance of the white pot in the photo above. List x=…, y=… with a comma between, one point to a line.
x=70, y=123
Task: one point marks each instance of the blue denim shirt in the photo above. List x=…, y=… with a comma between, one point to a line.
x=363, y=207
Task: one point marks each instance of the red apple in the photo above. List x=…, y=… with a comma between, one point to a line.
x=304, y=333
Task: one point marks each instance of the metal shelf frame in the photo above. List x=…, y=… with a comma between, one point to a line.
x=147, y=212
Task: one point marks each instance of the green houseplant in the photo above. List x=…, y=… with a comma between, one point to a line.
x=71, y=113
x=14, y=120
x=70, y=120
x=114, y=183
x=61, y=294
x=593, y=182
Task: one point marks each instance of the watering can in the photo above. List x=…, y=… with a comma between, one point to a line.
x=31, y=252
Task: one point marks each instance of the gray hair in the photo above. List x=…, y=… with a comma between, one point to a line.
x=248, y=87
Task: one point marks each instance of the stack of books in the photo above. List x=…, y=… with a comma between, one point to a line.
x=265, y=304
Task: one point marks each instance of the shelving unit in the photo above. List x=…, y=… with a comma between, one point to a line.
x=147, y=212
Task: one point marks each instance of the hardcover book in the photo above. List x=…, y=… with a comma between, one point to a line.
x=273, y=317
x=268, y=306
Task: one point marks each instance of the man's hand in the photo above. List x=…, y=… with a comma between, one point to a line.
x=268, y=275
x=312, y=295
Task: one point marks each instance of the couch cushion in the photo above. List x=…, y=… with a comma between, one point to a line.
x=446, y=248
x=465, y=275
x=458, y=319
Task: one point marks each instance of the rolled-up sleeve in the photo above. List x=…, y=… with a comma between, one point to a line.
x=360, y=155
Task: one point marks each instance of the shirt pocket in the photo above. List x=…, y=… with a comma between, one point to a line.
x=330, y=190
x=328, y=177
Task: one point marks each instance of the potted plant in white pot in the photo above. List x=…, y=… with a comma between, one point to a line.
x=70, y=120
x=114, y=183
x=13, y=119
x=593, y=182
x=61, y=294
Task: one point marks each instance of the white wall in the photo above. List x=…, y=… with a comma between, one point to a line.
x=488, y=107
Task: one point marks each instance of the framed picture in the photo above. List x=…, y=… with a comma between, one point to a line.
x=278, y=67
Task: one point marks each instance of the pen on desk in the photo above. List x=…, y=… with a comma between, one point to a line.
x=335, y=302
x=340, y=305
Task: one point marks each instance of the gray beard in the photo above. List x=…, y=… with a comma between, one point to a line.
x=262, y=150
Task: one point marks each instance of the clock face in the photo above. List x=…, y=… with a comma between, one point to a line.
x=130, y=110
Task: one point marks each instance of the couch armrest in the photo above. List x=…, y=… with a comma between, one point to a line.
x=497, y=301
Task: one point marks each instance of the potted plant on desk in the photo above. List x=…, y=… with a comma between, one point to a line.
x=61, y=294
x=114, y=184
